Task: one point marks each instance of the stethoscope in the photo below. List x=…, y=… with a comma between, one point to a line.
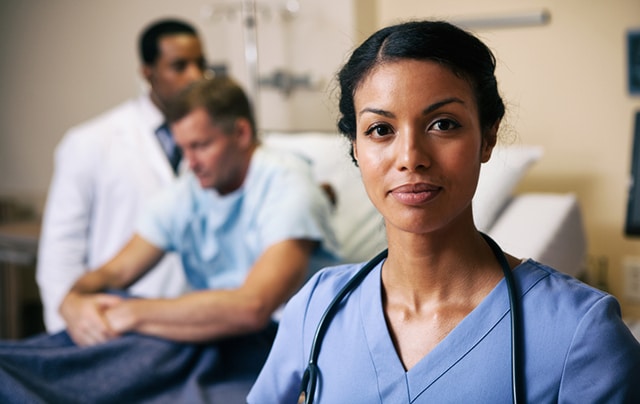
x=310, y=376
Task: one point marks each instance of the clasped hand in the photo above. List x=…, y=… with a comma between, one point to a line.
x=94, y=318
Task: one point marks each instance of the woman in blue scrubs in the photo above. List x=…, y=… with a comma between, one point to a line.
x=431, y=322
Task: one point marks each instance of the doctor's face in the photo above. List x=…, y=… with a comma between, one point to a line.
x=418, y=144
x=214, y=156
x=180, y=62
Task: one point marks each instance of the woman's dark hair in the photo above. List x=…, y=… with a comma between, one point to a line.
x=224, y=100
x=150, y=37
x=437, y=41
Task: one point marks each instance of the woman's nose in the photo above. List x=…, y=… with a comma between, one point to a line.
x=412, y=151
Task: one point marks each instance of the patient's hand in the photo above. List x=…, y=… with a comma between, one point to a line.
x=121, y=317
x=85, y=317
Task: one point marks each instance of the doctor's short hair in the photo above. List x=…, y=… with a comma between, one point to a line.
x=222, y=97
x=149, y=38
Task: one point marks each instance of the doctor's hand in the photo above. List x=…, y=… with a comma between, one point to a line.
x=85, y=317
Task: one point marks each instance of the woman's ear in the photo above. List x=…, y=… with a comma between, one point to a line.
x=354, y=150
x=489, y=140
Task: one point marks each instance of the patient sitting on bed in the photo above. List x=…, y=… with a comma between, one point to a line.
x=249, y=223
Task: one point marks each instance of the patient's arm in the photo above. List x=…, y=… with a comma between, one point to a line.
x=84, y=305
x=210, y=314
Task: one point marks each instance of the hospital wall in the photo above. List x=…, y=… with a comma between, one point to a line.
x=64, y=61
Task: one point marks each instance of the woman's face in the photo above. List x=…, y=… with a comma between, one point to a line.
x=419, y=144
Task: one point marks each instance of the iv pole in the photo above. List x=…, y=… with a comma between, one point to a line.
x=250, y=10
x=251, y=49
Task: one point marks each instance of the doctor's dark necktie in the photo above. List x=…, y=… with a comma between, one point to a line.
x=172, y=151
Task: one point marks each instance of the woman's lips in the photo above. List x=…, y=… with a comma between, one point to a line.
x=415, y=194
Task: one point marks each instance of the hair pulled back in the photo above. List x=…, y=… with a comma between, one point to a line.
x=437, y=41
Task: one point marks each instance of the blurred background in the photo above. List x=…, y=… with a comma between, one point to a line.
x=565, y=81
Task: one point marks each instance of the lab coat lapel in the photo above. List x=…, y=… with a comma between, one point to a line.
x=143, y=139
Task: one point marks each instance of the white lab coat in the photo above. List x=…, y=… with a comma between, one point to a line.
x=105, y=171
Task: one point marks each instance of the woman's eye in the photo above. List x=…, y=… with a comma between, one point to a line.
x=379, y=130
x=445, y=125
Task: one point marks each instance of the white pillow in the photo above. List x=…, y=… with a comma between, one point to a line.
x=498, y=178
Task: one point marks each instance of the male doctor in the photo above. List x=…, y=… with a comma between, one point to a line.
x=108, y=167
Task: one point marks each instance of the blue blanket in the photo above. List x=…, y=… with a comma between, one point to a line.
x=132, y=369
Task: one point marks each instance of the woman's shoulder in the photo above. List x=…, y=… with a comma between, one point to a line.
x=534, y=271
x=551, y=293
x=322, y=287
x=329, y=280
x=580, y=329
x=535, y=275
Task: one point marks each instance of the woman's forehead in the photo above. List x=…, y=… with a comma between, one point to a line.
x=408, y=79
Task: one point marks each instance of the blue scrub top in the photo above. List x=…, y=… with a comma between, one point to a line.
x=577, y=349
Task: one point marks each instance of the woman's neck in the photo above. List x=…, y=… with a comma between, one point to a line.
x=439, y=267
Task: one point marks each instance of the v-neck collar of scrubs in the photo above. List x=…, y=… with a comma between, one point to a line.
x=398, y=385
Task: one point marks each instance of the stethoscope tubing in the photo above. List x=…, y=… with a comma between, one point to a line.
x=517, y=378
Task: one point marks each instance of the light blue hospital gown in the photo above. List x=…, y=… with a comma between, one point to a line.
x=577, y=349
x=220, y=237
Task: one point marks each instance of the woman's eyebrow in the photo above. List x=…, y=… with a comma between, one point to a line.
x=377, y=112
x=440, y=104
x=433, y=107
